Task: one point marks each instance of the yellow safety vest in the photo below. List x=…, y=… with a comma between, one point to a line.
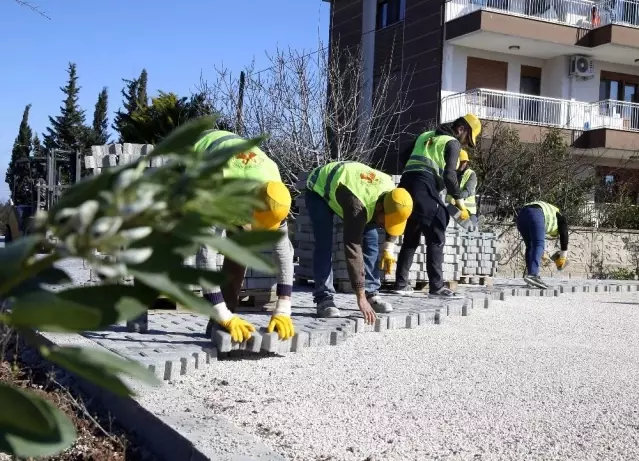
x=365, y=183
x=428, y=153
x=550, y=217
x=254, y=165
x=470, y=201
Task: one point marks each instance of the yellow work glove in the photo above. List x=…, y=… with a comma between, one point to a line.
x=281, y=321
x=560, y=259
x=388, y=258
x=462, y=207
x=239, y=329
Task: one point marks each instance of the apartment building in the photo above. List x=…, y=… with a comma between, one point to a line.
x=570, y=64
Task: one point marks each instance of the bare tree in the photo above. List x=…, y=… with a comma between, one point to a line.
x=309, y=104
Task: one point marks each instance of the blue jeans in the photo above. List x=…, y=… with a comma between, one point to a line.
x=321, y=217
x=532, y=227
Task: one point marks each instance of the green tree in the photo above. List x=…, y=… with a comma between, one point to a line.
x=134, y=99
x=18, y=175
x=68, y=131
x=143, y=98
x=100, y=119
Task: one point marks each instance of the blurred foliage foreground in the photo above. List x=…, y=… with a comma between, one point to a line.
x=150, y=220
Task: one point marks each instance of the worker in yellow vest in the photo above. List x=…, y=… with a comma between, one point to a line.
x=535, y=222
x=257, y=166
x=467, y=179
x=431, y=168
x=364, y=199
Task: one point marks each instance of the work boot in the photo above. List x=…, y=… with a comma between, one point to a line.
x=443, y=293
x=406, y=291
x=326, y=308
x=379, y=305
x=535, y=281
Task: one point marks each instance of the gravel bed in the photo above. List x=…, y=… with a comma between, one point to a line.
x=533, y=378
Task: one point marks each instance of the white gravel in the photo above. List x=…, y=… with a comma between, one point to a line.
x=531, y=378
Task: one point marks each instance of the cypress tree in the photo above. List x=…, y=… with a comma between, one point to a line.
x=142, y=96
x=100, y=119
x=18, y=176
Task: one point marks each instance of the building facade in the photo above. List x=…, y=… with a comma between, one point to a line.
x=533, y=64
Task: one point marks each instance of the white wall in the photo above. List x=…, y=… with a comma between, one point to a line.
x=555, y=82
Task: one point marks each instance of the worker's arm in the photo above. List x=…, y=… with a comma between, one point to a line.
x=470, y=187
x=355, y=219
x=562, y=224
x=451, y=157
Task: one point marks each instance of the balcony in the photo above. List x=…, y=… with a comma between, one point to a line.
x=584, y=14
x=605, y=124
x=567, y=26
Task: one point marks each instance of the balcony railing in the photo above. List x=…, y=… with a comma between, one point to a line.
x=541, y=111
x=580, y=13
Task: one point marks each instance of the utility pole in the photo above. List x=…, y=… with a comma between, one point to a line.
x=240, y=104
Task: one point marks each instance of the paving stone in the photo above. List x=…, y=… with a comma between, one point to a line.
x=412, y=320
x=318, y=338
x=396, y=321
x=381, y=324
x=487, y=302
x=300, y=341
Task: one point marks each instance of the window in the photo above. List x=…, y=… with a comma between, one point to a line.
x=389, y=12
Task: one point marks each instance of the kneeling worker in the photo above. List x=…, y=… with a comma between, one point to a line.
x=535, y=221
x=256, y=166
x=467, y=180
x=364, y=199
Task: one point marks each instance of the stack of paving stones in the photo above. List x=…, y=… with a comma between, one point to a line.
x=112, y=155
x=175, y=344
x=468, y=256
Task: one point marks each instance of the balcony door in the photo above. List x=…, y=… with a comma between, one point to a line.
x=622, y=91
x=530, y=107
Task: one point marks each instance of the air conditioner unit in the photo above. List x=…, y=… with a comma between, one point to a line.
x=582, y=66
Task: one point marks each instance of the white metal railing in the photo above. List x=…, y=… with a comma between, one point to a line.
x=569, y=12
x=621, y=12
x=541, y=111
x=585, y=14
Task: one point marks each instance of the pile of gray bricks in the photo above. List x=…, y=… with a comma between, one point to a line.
x=470, y=255
x=112, y=155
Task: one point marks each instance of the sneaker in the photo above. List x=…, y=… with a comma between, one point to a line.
x=406, y=291
x=327, y=309
x=535, y=281
x=443, y=293
x=379, y=305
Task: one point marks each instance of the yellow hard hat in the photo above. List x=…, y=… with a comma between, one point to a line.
x=277, y=204
x=398, y=205
x=475, y=128
x=463, y=156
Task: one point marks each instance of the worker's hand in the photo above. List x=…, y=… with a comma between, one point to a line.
x=240, y=329
x=545, y=258
x=388, y=258
x=366, y=309
x=281, y=321
x=560, y=259
x=461, y=205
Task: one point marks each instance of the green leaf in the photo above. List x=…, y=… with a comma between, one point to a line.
x=50, y=275
x=101, y=367
x=15, y=254
x=244, y=256
x=257, y=239
x=31, y=426
x=80, y=309
x=165, y=285
x=183, y=137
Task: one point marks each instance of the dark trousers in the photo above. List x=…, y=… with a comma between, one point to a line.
x=532, y=227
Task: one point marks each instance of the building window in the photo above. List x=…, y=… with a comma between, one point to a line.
x=390, y=12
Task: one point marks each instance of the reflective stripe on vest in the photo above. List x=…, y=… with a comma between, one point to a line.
x=428, y=154
x=471, y=201
x=362, y=181
x=550, y=217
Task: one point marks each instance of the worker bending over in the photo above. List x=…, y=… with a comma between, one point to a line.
x=535, y=221
x=256, y=166
x=364, y=199
x=467, y=180
x=430, y=169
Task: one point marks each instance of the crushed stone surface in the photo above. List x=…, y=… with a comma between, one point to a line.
x=533, y=378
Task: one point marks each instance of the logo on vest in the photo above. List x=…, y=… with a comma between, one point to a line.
x=247, y=160
x=370, y=177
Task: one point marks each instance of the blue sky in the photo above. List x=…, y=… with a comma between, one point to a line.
x=114, y=39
